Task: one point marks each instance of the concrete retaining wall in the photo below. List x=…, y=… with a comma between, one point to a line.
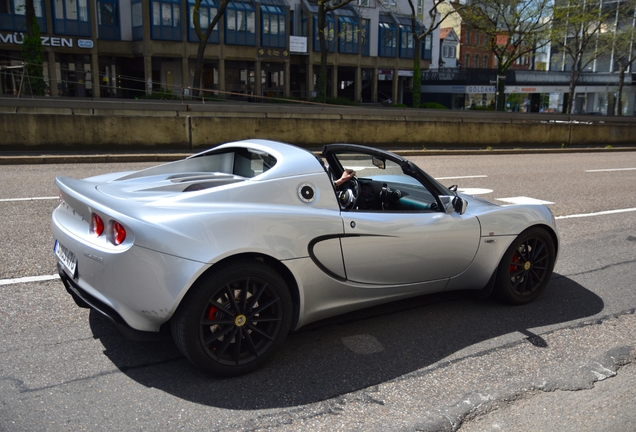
x=194, y=127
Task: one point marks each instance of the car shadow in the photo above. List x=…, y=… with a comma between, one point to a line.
x=353, y=351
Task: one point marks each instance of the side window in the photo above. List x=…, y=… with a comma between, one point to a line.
x=385, y=187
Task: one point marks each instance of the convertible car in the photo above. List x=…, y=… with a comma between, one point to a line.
x=232, y=248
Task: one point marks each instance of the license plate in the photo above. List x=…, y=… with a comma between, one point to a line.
x=66, y=257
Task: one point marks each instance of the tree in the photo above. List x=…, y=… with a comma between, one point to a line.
x=580, y=32
x=420, y=33
x=203, y=39
x=514, y=28
x=623, y=45
x=32, y=53
x=324, y=7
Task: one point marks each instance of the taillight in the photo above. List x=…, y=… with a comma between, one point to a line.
x=97, y=225
x=119, y=233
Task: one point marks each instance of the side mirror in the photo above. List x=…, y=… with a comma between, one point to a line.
x=453, y=204
x=459, y=205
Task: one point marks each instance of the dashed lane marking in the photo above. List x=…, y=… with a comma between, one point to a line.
x=460, y=177
x=29, y=279
x=28, y=199
x=606, y=212
x=611, y=169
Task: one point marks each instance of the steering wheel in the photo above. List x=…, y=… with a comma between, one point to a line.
x=349, y=194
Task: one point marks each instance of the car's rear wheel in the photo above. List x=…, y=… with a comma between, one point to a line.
x=526, y=267
x=234, y=319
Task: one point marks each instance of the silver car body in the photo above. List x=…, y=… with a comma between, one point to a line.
x=334, y=260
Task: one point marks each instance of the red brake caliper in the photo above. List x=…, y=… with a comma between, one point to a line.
x=515, y=259
x=212, y=313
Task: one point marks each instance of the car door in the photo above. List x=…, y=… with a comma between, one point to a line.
x=403, y=248
x=413, y=239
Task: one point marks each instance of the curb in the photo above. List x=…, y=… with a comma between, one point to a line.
x=169, y=157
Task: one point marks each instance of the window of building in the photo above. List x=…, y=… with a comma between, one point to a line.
x=166, y=20
x=427, y=48
x=292, y=30
x=71, y=17
x=467, y=37
x=406, y=41
x=207, y=11
x=240, y=24
x=303, y=24
x=467, y=61
x=420, y=6
x=363, y=3
x=364, y=35
x=348, y=36
x=13, y=15
x=330, y=33
x=486, y=62
x=476, y=61
x=137, y=20
x=273, y=32
x=108, y=20
x=387, y=37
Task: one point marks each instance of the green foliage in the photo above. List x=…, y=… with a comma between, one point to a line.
x=162, y=94
x=32, y=53
x=432, y=105
x=340, y=101
x=482, y=108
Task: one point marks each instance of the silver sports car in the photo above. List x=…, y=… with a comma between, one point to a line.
x=232, y=248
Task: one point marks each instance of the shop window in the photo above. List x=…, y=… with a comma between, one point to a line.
x=137, y=20
x=70, y=17
x=13, y=15
x=240, y=24
x=348, y=39
x=207, y=11
x=364, y=35
x=388, y=34
x=330, y=33
x=108, y=20
x=273, y=32
x=166, y=20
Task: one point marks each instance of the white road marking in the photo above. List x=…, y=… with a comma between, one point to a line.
x=606, y=212
x=523, y=200
x=612, y=169
x=460, y=177
x=28, y=199
x=29, y=279
x=474, y=191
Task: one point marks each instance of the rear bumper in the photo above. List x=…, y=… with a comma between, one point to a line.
x=85, y=300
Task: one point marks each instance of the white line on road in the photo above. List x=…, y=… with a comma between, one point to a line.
x=460, y=177
x=29, y=279
x=597, y=213
x=612, y=169
x=28, y=199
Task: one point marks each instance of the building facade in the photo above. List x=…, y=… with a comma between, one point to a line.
x=259, y=49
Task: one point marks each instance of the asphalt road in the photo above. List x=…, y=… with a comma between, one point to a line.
x=440, y=362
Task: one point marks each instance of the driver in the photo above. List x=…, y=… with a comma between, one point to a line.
x=346, y=176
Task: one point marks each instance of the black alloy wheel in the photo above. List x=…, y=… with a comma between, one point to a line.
x=526, y=267
x=235, y=319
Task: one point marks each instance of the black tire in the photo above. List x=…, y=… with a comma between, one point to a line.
x=526, y=267
x=234, y=319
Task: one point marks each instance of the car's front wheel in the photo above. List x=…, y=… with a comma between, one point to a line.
x=234, y=319
x=526, y=267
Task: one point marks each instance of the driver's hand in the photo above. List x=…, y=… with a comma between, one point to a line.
x=346, y=176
